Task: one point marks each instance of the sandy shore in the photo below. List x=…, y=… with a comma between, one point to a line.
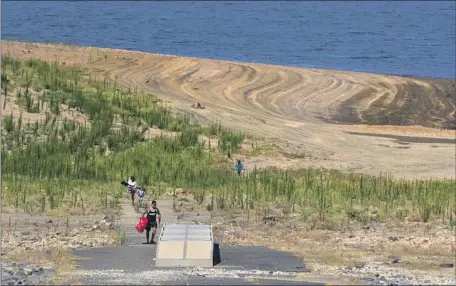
x=312, y=111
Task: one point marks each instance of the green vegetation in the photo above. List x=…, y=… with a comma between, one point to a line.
x=55, y=162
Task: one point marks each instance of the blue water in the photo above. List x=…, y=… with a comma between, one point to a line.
x=397, y=37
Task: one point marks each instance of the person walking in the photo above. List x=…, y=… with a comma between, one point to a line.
x=132, y=189
x=154, y=218
x=239, y=167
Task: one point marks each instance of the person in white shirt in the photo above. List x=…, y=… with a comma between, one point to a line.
x=132, y=189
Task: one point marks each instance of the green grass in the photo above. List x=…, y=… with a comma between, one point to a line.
x=60, y=163
x=65, y=155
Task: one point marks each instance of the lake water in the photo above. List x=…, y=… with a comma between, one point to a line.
x=397, y=37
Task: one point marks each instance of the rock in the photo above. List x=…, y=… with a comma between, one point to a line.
x=395, y=260
x=27, y=271
x=16, y=278
x=25, y=233
x=180, y=191
x=8, y=268
x=269, y=218
x=447, y=265
x=393, y=238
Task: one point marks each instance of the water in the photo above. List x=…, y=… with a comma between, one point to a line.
x=401, y=38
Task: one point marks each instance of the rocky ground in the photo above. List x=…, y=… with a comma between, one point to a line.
x=373, y=257
x=393, y=253
x=34, y=249
x=378, y=273
x=24, y=274
x=409, y=253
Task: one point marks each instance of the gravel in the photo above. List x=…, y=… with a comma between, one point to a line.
x=24, y=274
x=195, y=276
x=381, y=274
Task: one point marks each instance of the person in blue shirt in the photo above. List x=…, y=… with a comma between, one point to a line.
x=239, y=167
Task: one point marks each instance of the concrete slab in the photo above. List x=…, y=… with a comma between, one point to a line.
x=167, y=237
x=171, y=250
x=199, y=250
x=184, y=245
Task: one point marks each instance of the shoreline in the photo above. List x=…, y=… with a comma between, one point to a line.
x=228, y=61
x=302, y=111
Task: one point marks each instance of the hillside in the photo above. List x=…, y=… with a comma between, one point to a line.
x=293, y=107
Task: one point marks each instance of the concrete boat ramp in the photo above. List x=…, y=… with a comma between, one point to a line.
x=185, y=255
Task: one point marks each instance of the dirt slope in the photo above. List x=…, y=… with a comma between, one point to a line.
x=299, y=107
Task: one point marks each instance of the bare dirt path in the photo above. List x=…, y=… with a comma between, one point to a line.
x=295, y=106
x=130, y=217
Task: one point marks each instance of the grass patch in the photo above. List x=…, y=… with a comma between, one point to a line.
x=59, y=163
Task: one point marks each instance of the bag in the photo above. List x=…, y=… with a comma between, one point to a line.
x=142, y=224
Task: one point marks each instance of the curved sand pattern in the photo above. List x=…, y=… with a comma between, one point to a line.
x=296, y=106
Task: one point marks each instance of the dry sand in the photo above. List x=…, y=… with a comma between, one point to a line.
x=305, y=110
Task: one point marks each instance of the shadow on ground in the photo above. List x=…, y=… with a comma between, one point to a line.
x=216, y=256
